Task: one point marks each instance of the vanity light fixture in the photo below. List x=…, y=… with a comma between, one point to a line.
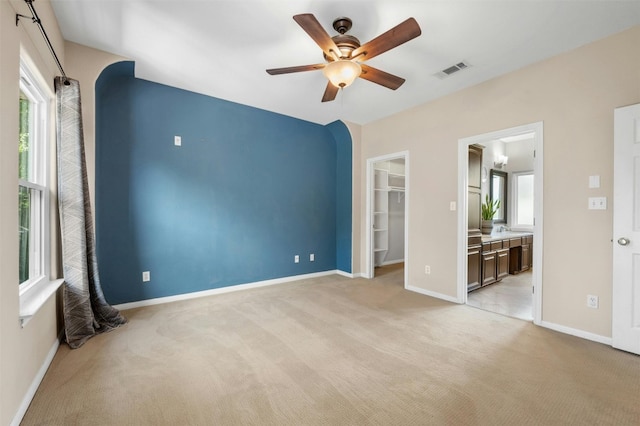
x=500, y=161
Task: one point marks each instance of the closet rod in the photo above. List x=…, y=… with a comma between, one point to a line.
x=36, y=19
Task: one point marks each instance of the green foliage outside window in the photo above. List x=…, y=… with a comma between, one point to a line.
x=24, y=196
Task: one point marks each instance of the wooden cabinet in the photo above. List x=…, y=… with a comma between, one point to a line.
x=474, y=265
x=489, y=265
x=526, y=258
x=527, y=253
x=502, y=267
x=474, y=190
x=498, y=259
x=495, y=261
x=474, y=201
x=475, y=166
x=520, y=254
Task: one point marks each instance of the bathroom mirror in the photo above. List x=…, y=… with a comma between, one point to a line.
x=498, y=191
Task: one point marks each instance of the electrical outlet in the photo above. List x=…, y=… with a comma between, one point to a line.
x=592, y=301
x=452, y=206
x=427, y=269
x=296, y=259
x=146, y=276
x=312, y=257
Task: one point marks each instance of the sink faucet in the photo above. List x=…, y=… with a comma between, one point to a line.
x=503, y=228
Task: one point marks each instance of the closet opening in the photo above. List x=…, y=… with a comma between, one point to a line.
x=387, y=206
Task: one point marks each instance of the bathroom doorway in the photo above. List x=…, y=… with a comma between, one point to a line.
x=507, y=277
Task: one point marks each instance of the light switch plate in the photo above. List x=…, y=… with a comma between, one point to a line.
x=597, y=203
x=177, y=140
x=594, y=181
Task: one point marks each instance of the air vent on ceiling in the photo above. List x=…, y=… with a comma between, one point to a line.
x=452, y=69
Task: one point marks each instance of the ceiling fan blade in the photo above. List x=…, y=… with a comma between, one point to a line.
x=310, y=24
x=397, y=35
x=330, y=93
x=300, y=68
x=380, y=77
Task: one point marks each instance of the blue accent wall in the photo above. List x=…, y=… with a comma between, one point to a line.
x=344, y=190
x=247, y=190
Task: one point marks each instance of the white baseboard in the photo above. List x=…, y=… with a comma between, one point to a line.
x=575, y=332
x=552, y=326
x=222, y=290
x=28, y=397
x=349, y=275
x=432, y=293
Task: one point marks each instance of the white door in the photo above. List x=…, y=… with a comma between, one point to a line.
x=626, y=230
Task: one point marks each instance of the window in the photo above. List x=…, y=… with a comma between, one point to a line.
x=33, y=192
x=523, y=200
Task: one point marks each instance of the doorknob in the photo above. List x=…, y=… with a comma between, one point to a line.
x=623, y=241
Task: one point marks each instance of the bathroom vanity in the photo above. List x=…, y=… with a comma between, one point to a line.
x=500, y=254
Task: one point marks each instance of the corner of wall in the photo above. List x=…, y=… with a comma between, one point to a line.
x=344, y=195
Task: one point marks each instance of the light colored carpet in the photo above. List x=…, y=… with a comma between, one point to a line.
x=335, y=351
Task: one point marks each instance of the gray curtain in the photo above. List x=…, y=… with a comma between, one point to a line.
x=86, y=312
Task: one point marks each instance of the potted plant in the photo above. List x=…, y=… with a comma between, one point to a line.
x=489, y=210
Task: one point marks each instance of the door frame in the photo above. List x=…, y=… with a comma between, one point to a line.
x=463, y=180
x=369, y=267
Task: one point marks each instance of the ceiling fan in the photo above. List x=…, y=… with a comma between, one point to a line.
x=345, y=55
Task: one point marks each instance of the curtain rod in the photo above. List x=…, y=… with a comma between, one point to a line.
x=36, y=19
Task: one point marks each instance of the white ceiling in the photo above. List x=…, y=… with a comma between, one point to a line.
x=222, y=48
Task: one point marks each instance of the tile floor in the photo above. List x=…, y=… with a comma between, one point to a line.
x=512, y=296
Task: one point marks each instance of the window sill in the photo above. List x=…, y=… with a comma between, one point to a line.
x=34, y=298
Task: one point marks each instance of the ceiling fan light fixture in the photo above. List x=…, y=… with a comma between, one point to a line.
x=345, y=56
x=342, y=73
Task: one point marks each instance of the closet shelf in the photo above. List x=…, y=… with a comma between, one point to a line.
x=389, y=180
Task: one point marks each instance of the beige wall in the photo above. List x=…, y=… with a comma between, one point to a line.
x=574, y=95
x=22, y=350
x=85, y=65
